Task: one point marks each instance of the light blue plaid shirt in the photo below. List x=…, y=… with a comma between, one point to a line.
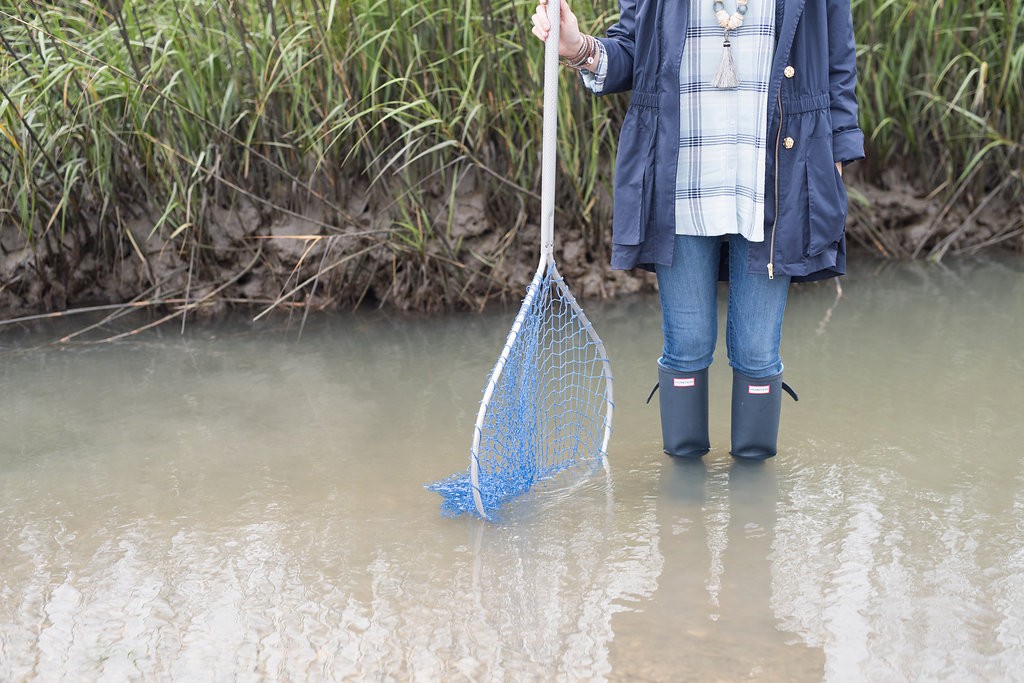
x=723, y=133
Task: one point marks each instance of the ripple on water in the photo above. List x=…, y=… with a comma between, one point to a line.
x=248, y=507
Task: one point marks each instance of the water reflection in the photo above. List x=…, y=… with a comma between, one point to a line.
x=711, y=616
x=237, y=504
x=544, y=592
x=931, y=584
x=268, y=591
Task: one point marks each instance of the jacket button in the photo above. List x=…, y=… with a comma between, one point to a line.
x=788, y=143
x=789, y=72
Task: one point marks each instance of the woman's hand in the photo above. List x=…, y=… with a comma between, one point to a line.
x=570, y=40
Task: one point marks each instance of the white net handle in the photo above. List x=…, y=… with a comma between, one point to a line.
x=550, y=139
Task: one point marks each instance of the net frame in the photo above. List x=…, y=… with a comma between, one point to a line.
x=546, y=287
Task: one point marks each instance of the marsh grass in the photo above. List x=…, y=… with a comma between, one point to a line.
x=941, y=92
x=115, y=114
x=129, y=130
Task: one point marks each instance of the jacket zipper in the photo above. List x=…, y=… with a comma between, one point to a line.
x=775, y=222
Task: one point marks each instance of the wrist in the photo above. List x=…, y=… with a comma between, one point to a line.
x=586, y=56
x=573, y=50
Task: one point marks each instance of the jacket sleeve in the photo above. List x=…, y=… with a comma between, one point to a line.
x=847, y=137
x=619, y=47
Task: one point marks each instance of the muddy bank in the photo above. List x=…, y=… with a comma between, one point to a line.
x=896, y=220
x=458, y=251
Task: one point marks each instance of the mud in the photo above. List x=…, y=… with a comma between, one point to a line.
x=458, y=252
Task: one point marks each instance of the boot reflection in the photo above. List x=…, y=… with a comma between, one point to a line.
x=746, y=617
x=666, y=638
x=747, y=625
x=711, y=617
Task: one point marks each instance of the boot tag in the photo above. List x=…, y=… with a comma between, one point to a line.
x=681, y=382
x=759, y=389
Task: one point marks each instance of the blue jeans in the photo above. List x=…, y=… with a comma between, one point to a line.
x=689, y=309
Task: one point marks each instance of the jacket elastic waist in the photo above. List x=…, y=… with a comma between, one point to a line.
x=643, y=99
x=798, y=105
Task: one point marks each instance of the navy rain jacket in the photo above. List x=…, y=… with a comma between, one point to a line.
x=812, y=123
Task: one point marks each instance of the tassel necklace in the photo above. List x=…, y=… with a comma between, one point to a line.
x=726, y=77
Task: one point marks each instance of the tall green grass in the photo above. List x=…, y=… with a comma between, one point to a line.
x=941, y=93
x=170, y=107
x=161, y=111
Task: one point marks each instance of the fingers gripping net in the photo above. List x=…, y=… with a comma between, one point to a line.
x=547, y=406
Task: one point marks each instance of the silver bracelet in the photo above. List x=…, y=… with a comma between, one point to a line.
x=586, y=55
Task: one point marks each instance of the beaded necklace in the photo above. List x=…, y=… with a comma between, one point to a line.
x=726, y=76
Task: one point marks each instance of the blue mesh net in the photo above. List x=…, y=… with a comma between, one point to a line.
x=548, y=410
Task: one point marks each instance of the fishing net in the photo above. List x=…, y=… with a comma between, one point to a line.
x=547, y=406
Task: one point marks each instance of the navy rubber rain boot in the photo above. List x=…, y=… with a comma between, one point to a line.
x=756, y=407
x=684, y=412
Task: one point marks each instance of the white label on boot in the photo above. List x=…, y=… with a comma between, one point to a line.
x=680, y=382
x=759, y=388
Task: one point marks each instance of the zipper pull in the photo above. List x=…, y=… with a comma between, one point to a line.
x=771, y=271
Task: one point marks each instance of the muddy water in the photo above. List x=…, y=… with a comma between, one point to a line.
x=240, y=504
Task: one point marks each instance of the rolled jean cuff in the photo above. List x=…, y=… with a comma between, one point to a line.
x=694, y=366
x=759, y=373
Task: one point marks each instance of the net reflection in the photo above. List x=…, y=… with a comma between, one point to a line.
x=191, y=598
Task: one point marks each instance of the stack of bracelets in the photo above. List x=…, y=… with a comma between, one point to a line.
x=586, y=56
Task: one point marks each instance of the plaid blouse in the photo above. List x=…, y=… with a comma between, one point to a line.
x=722, y=137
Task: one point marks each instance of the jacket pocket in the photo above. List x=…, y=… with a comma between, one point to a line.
x=634, y=174
x=826, y=198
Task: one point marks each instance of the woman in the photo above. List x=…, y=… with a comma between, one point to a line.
x=728, y=167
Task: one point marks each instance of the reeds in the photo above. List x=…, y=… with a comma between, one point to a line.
x=136, y=131
x=115, y=114
x=941, y=92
